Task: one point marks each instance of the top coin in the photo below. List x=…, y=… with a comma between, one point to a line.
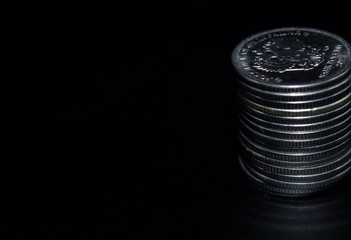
x=292, y=58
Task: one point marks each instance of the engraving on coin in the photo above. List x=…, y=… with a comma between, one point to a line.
x=334, y=59
x=281, y=55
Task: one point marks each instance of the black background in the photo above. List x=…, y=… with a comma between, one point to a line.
x=118, y=124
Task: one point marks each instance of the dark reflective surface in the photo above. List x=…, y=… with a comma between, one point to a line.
x=119, y=125
x=256, y=215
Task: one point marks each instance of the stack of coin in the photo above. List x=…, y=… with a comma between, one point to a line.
x=294, y=91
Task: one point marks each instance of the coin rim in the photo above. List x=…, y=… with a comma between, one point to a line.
x=295, y=96
x=297, y=119
x=300, y=104
x=302, y=127
x=283, y=191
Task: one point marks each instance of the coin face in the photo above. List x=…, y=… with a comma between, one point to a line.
x=292, y=58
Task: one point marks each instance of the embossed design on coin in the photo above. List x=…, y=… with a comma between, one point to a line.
x=292, y=56
x=281, y=55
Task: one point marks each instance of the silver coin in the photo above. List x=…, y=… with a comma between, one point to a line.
x=265, y=101
x=311, y=175
x=296, y=96
x=331, y=131
x=298, y=169
x=286, y=191
x=253, y=155
x=299, y=155
x=318, y=118
x=298, y=127
x=293, y=149
x=297, y=185
x=292, y=59
x=304, y=178
x=303, y=145
x=297, y=112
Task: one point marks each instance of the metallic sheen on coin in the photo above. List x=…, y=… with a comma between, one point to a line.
x=294, y=93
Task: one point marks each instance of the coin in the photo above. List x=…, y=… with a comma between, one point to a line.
x=292, y=59
x=320, y=135
x=288, y=190
x=303, y=146
x=318, y=118
x=288, y=178
x=249, y=154
x=298, y=155
x=308, y=175
x=298, y=185
x=301, y=170
x=302, y=127
x=282, y=103
x=296, y=96
x=297, y=112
